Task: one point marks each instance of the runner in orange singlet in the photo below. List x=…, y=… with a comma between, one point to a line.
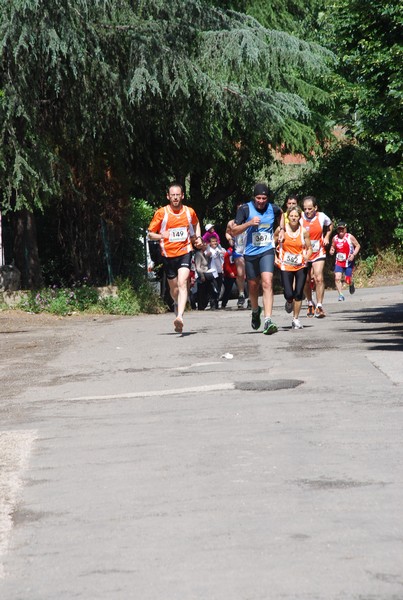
x=293, y=252
x=316, y=223
x=177, y=227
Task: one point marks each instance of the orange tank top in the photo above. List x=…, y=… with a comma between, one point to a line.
x=180, y=227
x=315, y=230
x=290, y=254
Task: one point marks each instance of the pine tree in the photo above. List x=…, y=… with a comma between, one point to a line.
x=111, y=98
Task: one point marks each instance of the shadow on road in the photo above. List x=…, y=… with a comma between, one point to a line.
x=387, y=334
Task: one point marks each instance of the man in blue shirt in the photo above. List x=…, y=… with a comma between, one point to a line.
x=259, y=218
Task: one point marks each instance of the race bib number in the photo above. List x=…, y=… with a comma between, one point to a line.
x=341, y=257
x=315, y=245
x=240, y=241
x=293, y=260
x=261, y=238
x=178, y=234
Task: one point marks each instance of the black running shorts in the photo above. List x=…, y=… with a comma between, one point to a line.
x=172, y=265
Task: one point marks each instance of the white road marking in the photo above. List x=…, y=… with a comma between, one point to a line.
x=217, y=387
x=201, y=364
x=15, y=448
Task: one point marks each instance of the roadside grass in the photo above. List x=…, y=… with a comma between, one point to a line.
x=83, y=298
x=381, y=269
x=376, y=270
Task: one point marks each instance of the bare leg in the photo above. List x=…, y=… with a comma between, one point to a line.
x=183, y=276
x=307, y=287
x=240, y=277
x=178, y=288
x=253, y=286
x=267, y=286
x=297, y=308
x=173, y=289
x=319, y=281
x=338, y=282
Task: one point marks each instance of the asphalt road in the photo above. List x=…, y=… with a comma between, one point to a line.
x=136, y=463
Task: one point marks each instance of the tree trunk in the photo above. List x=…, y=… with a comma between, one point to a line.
x=26, y=254
x=196, y=196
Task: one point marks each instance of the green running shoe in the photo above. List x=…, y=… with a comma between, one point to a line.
x=269, y=327
x=256, y=318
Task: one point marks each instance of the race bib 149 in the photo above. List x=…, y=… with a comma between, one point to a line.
x=178, y=234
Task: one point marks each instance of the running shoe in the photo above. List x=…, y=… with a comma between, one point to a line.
x=296, y=324
x=310, y=311
x=341, y=298
x=319, y=312
x=352, y=287
x=288, y=307
x=256, y=318
x=269, y=327
x=241, y=301
x=178, y=325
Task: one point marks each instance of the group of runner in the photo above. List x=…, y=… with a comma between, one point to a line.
x=262, y=236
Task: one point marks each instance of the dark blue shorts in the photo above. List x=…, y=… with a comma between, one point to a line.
x=261, y=263
x=348, y=271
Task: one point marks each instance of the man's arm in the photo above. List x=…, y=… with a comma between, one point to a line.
x=196, y=239
x=279, y=224
x=228, y=233
x=357, y=247
x=242, y=222
x=329, y=228
x=308, y=251
x=154, y=228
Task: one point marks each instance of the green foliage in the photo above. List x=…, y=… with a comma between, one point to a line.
x=369, y=265
x=367, y=37
x=154, y=90
x=60, y=301
x=132, y=302
x=283, y=15
x=351, y=185
x=125, y=303
x=385, y=267
x=62, y=95
x=83, y=298
x=131, y=250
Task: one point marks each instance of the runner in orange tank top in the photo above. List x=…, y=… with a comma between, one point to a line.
x=316, y=223
x=177, y=228
x=294, y=250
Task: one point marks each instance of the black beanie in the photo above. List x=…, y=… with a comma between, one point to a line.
x=261, y=189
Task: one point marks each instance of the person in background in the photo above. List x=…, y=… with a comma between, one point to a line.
x=192, y=284
x=259, y=219
x=291, y=202
x=230, y=275
x=345, y=247
x=215, y=254
x=237, y=243
x=176, y=227
x=293, y=253
x=210, y=233
x=205, y=278
x=319, y=227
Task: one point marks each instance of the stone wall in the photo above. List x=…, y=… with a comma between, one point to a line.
x=10, y=278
